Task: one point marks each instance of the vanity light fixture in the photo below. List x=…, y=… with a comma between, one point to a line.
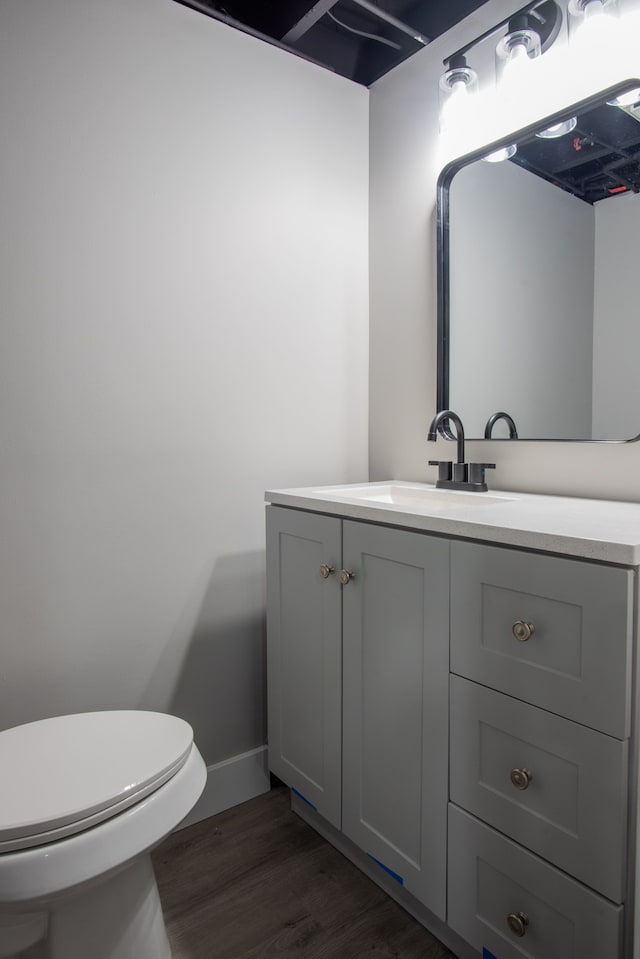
x=558, y=129
x=457, y=86
x=529, y=33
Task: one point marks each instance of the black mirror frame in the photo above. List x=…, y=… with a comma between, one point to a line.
x=443, y=247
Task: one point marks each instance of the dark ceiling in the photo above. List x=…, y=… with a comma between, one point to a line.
x=359, y=39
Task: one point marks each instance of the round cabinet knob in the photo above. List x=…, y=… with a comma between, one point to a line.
x=522, y=631
x=344, y=576
x=518, y=922
x=326, y=571
x=521, y=778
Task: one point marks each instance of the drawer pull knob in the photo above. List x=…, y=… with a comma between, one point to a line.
x=345, y=575
x=518, y=923
x=522, y=631
x=326, y=571
x=521, y=778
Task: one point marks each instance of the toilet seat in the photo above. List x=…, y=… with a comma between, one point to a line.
x=62, y=776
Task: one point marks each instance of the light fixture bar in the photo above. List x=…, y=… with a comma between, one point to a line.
x=393, y=21
x=547, y=12
x=310, y=18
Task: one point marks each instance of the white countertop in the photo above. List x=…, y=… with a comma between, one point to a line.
x=592, y=529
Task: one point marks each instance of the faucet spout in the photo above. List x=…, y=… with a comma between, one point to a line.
x=442, y=419
x=513, y=433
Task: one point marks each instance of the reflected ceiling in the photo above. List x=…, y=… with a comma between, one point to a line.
x=598, y=159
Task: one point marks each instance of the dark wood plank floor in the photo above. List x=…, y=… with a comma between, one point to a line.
x=256, y=881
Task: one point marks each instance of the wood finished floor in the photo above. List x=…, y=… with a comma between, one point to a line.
x=256, y=881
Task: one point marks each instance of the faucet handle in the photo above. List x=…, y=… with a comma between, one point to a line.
x=476, y=471
x=460, y=472
x=445, y=468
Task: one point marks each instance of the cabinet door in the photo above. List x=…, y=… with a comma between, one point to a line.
x=304, y=648
x=395, y=679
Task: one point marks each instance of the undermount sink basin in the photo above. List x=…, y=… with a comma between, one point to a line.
x=418, y=496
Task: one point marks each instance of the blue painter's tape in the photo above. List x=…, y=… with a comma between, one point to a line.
x=486, y=954
x=304, y=799
x=394, y=875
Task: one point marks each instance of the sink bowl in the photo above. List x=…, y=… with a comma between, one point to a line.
x=418, y=496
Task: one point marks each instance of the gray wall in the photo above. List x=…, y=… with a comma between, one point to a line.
x=616, y=384
x=183, y=323
x=405, y=163
x=521, y=280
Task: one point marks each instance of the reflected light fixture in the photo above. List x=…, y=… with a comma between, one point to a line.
x=628, y=99
x=504, y=153
x=457, y=86
x=558, y=129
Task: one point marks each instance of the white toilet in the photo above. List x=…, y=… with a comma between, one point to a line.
x=83, y=800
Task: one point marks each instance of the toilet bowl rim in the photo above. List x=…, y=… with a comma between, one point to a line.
x=25, y=842
x=65, y=773
x=36, y=874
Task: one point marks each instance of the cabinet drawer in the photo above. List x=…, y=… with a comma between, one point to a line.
x=576, y=662
x=569, y=803
x=491, y=878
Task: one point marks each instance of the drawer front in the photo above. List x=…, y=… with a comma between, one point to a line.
x=495, y=884
x=567, y=800
x=574, y=620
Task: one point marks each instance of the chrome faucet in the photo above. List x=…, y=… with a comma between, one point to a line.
x=513, y=433
x=459, y=475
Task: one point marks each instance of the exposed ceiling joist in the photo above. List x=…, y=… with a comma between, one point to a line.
x=310, y=18
x=393, y=21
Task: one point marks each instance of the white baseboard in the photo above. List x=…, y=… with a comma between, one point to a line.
x=231, y=782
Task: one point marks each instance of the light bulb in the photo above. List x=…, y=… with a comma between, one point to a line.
x=517, y=61
x=515, y=51
x=593, y=20
x=593, y=27
x=454, y=107
x=456, y=86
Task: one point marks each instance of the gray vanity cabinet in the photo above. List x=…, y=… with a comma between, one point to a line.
x=388, y=621
x=461, y=712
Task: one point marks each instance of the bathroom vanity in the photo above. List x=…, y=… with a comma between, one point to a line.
x=451, y=700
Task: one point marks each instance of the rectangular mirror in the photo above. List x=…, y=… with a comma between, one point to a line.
x=537, y=272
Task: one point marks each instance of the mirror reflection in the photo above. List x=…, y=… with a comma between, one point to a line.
x=538, y=316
